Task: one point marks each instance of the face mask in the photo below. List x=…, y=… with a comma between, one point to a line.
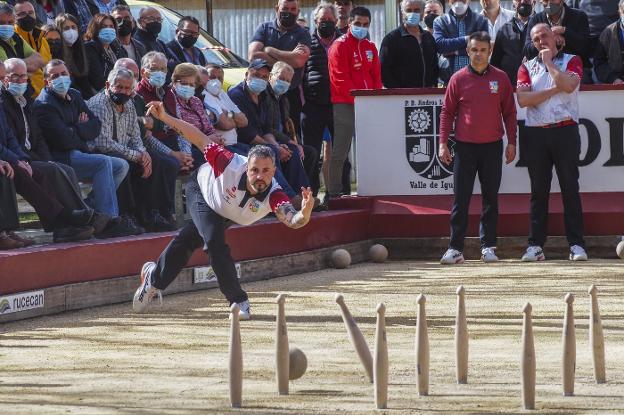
x=256, y=85
x=125, y=28
x=61, y=84
x=459, y=8
x=70, y=36
x=214, y=87
x=118, y=98
x=27, y=23
x=153, y=28
x=107, y=35
x=622, y=21
x=287, y=19
x=525, y=10
x=56, y=48
x=157, y=78
x=359, y=32
x=184, y=91
x=412, y=19
x=7, y=31
x=280, y=87
x=552, y=9
x=17, y=90
x=187, y=41
x=429, y=20
x=326, y=29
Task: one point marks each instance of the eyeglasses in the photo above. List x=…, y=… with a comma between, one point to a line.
x=120, y=20
x=30, y=13
x=15, y=77
x=189, y=33
x=151, y=19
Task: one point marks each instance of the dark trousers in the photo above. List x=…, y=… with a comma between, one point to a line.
x=65, y=183
x=294, y=99
x=38, y=190
x=9, y=219
x=293, y=168
x=206, y=230
x=558, y=147
x=486, y=160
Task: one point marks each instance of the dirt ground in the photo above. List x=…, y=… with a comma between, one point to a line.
x=174, y=359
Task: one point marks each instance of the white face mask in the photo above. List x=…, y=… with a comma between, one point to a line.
x=459, y=8
x=70, y=36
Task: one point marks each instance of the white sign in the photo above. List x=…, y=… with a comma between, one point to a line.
x=206, y=274
x=397, y=146
x=21, y=302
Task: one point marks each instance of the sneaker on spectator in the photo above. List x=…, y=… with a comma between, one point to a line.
x=146, y=292
x=81, y=217
x=154, y=222
x=73, y=234
x=488, y=255
x=451, y=257
x=132, y=225
x=115, y=228
x=577, y=253
x=244, y=310
x=24, y=241
x=534, y=253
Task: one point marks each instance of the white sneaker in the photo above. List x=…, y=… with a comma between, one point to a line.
x=488, y=255
x=244, y=312
x=577, y=253
x=145, y=293
x=533, y=253
x=452, y=257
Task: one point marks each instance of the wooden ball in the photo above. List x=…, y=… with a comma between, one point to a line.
x=341, y=258
x=378, y=253
x=298, y=363
x=620, y=249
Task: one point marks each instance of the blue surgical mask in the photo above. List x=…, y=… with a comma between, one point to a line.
x=280, y=87
x=7, y=31
x=622, y=20
x=256, y=85
x=412, y=19
x=17, y=90
x=359, y=32
x=184, y=91
x=61, y=84
x=157, y=78
x=107, y=35
x=214, y=87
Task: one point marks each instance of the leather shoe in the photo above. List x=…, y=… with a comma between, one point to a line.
x=7, y=242
x=72, y=234
x=99, y=222
x=82, y=217
x=24, y=241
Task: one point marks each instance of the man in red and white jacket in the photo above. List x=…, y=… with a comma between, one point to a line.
x=228, y=189
x=353, y=64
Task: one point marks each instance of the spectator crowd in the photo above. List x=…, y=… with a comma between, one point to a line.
x=77, y=77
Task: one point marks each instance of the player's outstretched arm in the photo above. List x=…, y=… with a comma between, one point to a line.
x=188, y=131
x=289, y=216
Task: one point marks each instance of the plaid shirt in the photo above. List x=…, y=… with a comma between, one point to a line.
x=461, y=61
x=127, y=144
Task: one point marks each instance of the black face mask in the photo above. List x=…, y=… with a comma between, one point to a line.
x=56, y=48
x=525, y=10
x=552, y=9
x=327, y=29
x=125, y=28
x=119, y=98
x=287, y=19
x=27, y=23
x=187, y=41
x=153, y=28
x=429, y=20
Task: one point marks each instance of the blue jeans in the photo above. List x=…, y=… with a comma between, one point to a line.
x=105, y=173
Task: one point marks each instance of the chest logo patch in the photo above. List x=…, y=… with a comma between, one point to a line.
x=369, y=55
x=494, y=87
x=254, y=206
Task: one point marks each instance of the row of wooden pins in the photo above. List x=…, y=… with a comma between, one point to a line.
x=377, y=367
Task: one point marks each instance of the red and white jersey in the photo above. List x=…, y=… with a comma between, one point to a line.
x=559, y=107
x=223, y=183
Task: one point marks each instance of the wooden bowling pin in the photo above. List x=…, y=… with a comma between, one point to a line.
x=282, y=356
x=356, y=337
x=527, y=360
x=380, y=368
x=422, y=349
x=569, y=348
x=461, y=338
x=236, y=359
x=596, y=337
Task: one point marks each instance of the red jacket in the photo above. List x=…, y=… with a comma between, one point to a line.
x=353, y=64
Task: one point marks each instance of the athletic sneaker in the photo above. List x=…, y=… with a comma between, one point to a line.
x=577, y=253
x=488, y=255
x=533, y=253
x=146, y=292
x=244, y=310
x=451, y=257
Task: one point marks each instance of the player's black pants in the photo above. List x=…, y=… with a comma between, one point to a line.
x=207, y=229
x=487, y=161
x=559, y=147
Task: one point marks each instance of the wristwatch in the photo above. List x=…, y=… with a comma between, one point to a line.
x=230, y=114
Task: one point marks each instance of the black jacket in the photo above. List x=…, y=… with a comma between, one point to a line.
x=175, y=55
x=600, y=13
x=151, y=43
x=100, y=64
x=407, y=64
x=316, y=74
x=139, y=49
x=70, y=7
x=608, y=57
x=507, y=54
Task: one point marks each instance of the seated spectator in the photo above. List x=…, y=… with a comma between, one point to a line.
x=9, y=219
x=83, y=12
x=433, y=9
x=600, y=14
x=495, y=15
x=451, y=32
x=182, y=49
x=47, y=10
x=74, y=54
x=26, y=129
x=106, y=6
x=26, y=27
x=102, y=49
x=507, y=54
x=69, y=127
x=571, y=30
x=608, y=62
x=149, y=26
x=134, y=49
x=55, y=41
x=408, y=54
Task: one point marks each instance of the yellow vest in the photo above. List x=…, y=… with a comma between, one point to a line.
x=40, y=45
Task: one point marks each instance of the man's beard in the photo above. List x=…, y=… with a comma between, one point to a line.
x=259, y=186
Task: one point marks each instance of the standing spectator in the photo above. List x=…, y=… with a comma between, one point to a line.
x=74, y=54
x=134, y=49
x=284, y=40
x=571, y=31
x=600, y=14
x=9, y=219
x=510, y=40
x=478, y=101
x=149, y=26
x=408, y=54
x=608, y=62
x=182, y=49
x=344, y=11
x=26, y=28
x=495, y=15
x=353, y=64
x=55, y=41
x=548, y=88
x=82, y=11
x=102, y=49
x=451, y=32
x=433, y=9
x=47, y=10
